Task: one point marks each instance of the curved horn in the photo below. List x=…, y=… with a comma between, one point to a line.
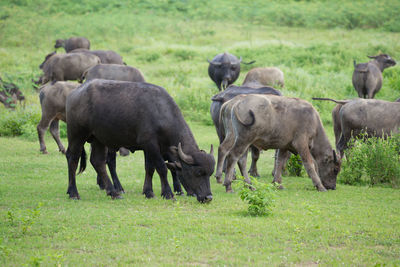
x=214, y=63
x=212, y=150
x=372, y=57
x=186, y=158
x=249, y=63
x=240, y=59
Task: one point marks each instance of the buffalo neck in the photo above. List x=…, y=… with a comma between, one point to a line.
x=321, y=146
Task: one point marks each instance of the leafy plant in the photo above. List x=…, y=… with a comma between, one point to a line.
x=373, y=161
x=294, y=166
x=258, y=195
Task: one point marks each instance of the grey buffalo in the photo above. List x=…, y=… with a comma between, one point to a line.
x=63, y=67
x=224, y=69
x=270, y=76
x=73, y=43
x=278, y=122
x=138, y=116
x=52, y=101
x=106, y=56
x=219, y=99
x=367, y=77
x=113, y=72
x=370, y=116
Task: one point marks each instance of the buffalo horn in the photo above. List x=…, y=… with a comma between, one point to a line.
x=214, y=63
x=186, y=158
x=212, y=150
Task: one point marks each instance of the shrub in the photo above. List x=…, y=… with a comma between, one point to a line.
x=259, y=196
x=19, y=122
x=371, y=162
x=294, y=166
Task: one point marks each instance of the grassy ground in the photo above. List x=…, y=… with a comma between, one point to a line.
x=313, y=42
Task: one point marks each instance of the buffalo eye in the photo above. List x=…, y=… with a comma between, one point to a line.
x=200, y=173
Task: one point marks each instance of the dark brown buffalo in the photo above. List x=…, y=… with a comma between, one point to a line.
x=278, y=122
x=63, y=67
x=138, y=116
x=113, y=72
x=73, y=43
x=106, y=56
x=367, y=77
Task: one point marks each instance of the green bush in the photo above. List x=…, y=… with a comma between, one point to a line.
x=371, y=162
x=21, y=121
x=259, y=196
x=294, y=166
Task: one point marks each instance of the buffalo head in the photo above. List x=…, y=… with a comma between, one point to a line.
x=384, y=60
x=224, y=69
x=194, y=170
x=59, y=43
x=328, y=169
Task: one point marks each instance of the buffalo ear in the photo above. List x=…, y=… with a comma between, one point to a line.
x=173, y=166
x=372, y=57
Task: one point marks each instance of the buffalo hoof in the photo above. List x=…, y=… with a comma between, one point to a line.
x=228, y=188
x=117, y=197
x=44, y=151
x=180, y=193
x=149, y=194
x=321, y=189
x=219, y=179
x=62, y=151
x=254, y=173
x=167, y=195
x=75, y=197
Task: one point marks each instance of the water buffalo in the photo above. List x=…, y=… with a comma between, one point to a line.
x=138, y=116
x=219, y=99
x=62, y=67
x=106, y=56
x=113, y=72
x=371, y=116
x=224, y=69
x=367, y=77
x=73, y=43
x=287, y=124
x=52, y=101
x=270, y=76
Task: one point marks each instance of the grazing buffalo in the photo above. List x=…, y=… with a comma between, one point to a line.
x=138, y=116
x=278, y=122
x=73, y=43
x=106, y=56
x=219, y=99
x=113, y=72
x=52, y=101
x=367, y=77
x=224, y=69
x=63, y=67
x=271, y=76
x=370, y=116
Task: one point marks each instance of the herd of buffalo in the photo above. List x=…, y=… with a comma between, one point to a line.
x=113, y=108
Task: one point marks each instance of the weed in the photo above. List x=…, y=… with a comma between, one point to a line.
x=295, y=166
x=258, y=195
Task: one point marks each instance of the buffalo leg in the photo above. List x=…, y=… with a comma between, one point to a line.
x=234, y=155
x=112, y=167
x=255, y=155
x=74, y=152
x=281, y=156
x=242, y=163
x=98, y=159
x=309, y=165
x=55, y=132
x=176, y=183
x=223, y=150
x=148, y=180
x=41, y=129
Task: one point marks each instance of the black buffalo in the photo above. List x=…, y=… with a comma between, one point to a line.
x=138, y=116
x=224, y=69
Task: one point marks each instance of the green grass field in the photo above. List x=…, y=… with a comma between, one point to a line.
x=313, y=42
